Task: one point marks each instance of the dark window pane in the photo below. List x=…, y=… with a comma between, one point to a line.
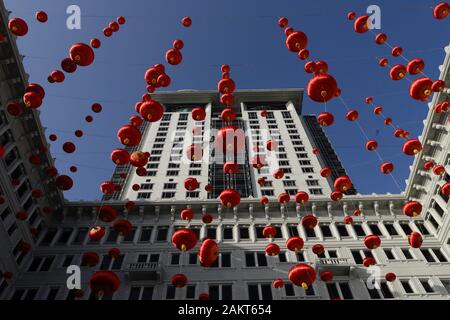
x=214, y=292
x=175, y=258
x=146, y=234
x=190, y=292
x=345, y=289
x=266, y=292
x=439, y=255
x=170, y=293
x=228, y=233
x=227, y=292
x=117, y=264
x=147, y=293
x=250, y=259
x=253, y=292
x=243, y=233
x=47, y=263
x=134, y=293
x=357, y=256
x=226, y=260
x=359, y=230
x=262, y=260
x=407, y=286
x=326, y=231
x=106, y=262
x=332, y=291
x=289, y=290
x=52, y=294
x=35, y=264
x=162, y=233
x=386, y=291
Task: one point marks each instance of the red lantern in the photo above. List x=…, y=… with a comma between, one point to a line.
x=89, y=118
x=82, y=54
x=390, y=277
x=96, y=233
x=321, y=67
x=361, y=24
x=352, y=115
x=322, y=88
x=378, y=110
x=412, y=147
x=428, y=165
x=296, y=41
x=303, y=54
x=228, y=115
x=264, y=201
x=186, y=21
x=325, y=119
x=302, y=275
x=325, y=172
x=90, y=259
x=278, y=174
x=208, y=188
x=187, y=214
x=415, y=240
x=22, y=215
x=310, y=67
x=104, y=283
x=95, y=43
x=230, y=167
x=191, y=184
x=226, y=86
x=136, y=121
x=32, y=100
x=129, y=205
x=57, y=76
x=397, y=51
x=69, y=147
x=372, y=241
x=272, y=249
x=107, y=213
x=107, y=187
x=439, y=170
x=369, y=100
x=397, y=72
x=412, y=209
x=371, y=145
x=445, y=189
x=284, y=198
x=357, y=212
x=151, y=110
x=269, y=232
x=14, y=109
x=107, y=32
x=41, y=16
x=261, y=181
x=51, y=171
x=203, y=296
x=129, y=136
x=441, y=10
x=351, y=15
x=230, y=198
x=309, y=222
x=18, y=27
x=415, y=66
x=369, y=261
x=37, y=193
x=179, y=280
x=388, y=121
x=227, y=100
x=271, y=145
x=198, y=114
x=326, y=276
x=114, y=253
x=208, y=253
x=348, y=220
x=7, y=275
x=438, y=86
x=342, y=183
x=283, y=22
x=64, y=183
x=387, y=167
x=318, y=249
x=295, y=244
x=68, y=65
x=278, y=283
x=301, y=197
x=122, y=227
x=139, y=158
x=336, y=196
x=174, y=56
x=383, y=62
x=184, y=239
x=258, y=162
x=120, y=157
x=420, y=89
x=229, y=139
x=380, y=38
x=207, y=218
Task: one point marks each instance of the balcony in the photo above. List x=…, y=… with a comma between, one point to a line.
x=144, y=271
x=339, y=266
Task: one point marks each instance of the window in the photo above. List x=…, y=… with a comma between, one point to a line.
x=446, y=284
x=433, y=255
x=227, y=232
x=389, y=254
x=255, y=259
x=168, y=195
x=310, y=233
x=259, y=292
x=220, y=292
x=300, y=256
x=405, y=227
x=170, y=292
x=172, y=173
x=52, y=293
x=375, y=229
x=379, y=292
x=316, y=191
x=162, y=233
x=308, y=170
x=64, y=236
x=192, y=194
x=67, y=261
x=342, y=230
x=422, y=228
x=407, y=286
x=130, y=237
x=223, y=260
x=426, y=285
x=112, y=236
x=390, y=228
x=112, y=264
x=141, y=293
x=267, y=192
x=24, y=294
x=359, y=230
x=244, y=233
x=326, y=231
x=293, y=230
x=146, y=234
x=146, y=186
x=211, y=232
x=144, y=195
x=48, y=238
x=312, y=183
x=190, y=291
x=80, y=236
x=175, y=259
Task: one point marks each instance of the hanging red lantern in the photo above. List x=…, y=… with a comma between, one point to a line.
x=261, y=181
x=278, y=283
x=139, y=158
x=439, y=170
x=378, y=110
x=229, y=139
x=22, y=215
x=428, y=165
x=18, y=27
x=264, y=201
x=230, y=167
x=357, y=212
x=390, y=277
x=352, y=115
x=388, y=121
x=120, y=156
x=82, y=54
x=51, y=171
x=184, y=239
x=191, y=184
x=321, y=67
x=269, y=232
x=325, y=172
x=207, y=218
x=415, y=240
x=114, y=26
x=122, y=227
x=380, y=38
x=226, y=86
x=97, y=233
x=136, y=187
x=129, y=205
x=351, y=15
x=326, y=276
x=387, y=167
x=336, y=196
x=441, y=10
x=208, y=253
x=136, y=121
x=342, y=183
x=322, y=88
x=371, y=145
x=198, y=114
x=272, y=249
x=369, y=261
x=415, y=66
x=372, y=242
x=187, y=214
x=361, y=24
x=69, y=147
x=64, y=183
x=278, y=174
x=78, y=133
x=310, y=67
x=397, y=72
x=420, y=89
x=163, y=81
x=32, y=100
x=303, y=54
x=258, y=162
x=208, y=188
x=325, y=119
x=90, y=259
x=412, y=209
x=95, y=43
x=283, y=22
x=174, y=57
x=295, y=244
x=114, y=253
x=68, y=65
x=230, y=198
x=228, y=115
x=104, y=283
x=129, y=136
x=179, y=280
x=348, y=220
x=96, y=107
x=14, y=109
x=107, y=187
x=301, y=197
x=227, y=100
x=369, y=100
x=318, y=249
x=186, y=22
x=107, y=213
x=151, y=110
x=194, y=152
x=107, y=32
x=383, y=62
x=438, y=86
x=57, y=76
x=41, y=16
x=315, y=150
x=445, y=189
x=309, y=222
x=141, y=171
x=89, y=118
x=284, y=198
x=397, y=51
x=412, y=147
x=302, y=275
x=35, y=159
x=272, y=145
x=296, y=41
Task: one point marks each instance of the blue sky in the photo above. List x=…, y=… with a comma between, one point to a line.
x=245, y=35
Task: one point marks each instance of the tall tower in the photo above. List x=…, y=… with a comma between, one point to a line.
x=296, y=136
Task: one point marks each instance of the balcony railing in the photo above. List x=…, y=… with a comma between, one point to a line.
x=334, y=261
x=144, y=271
x=143, y=266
